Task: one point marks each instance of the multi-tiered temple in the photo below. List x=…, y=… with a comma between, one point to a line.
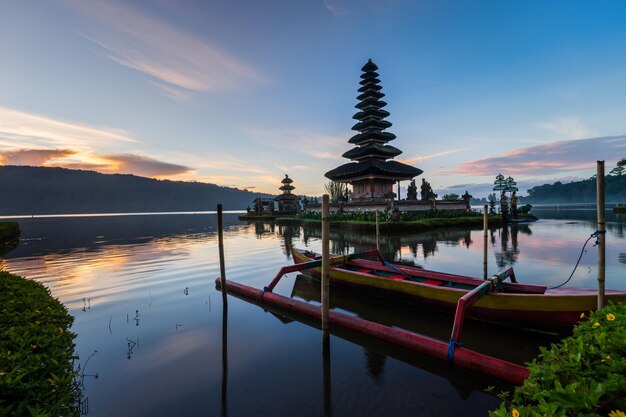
x=372, y=173
x=287, y=202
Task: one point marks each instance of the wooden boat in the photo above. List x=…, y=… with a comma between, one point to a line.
x=512, y=304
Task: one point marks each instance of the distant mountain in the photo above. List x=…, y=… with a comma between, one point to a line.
x=41, y=190
x=579, y=191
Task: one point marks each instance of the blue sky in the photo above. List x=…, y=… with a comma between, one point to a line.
x=239, y=92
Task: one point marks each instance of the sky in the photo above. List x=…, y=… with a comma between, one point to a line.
x=239, y=93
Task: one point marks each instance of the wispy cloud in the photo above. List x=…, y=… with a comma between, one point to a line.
x=418, y=159
x=335, y=8
x=554, y=158
x=30, y=139
x=22, y=129
x=172, y=57
x=567, y=128
x=305, y=142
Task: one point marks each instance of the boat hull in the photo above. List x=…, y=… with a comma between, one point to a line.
x=553, y=310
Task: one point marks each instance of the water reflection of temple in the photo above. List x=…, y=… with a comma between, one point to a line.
x=263, y=228
x=345, y=241
x=288, y=233
x=508, y=255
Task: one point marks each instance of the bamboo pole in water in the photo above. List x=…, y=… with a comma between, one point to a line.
x=485, y=229
x=224, y=402
x=328, y=399
x=377, y=231
x=220, y=243
x=325, y=263
x=601, y=233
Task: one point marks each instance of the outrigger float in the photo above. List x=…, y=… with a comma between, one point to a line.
x=465, y=294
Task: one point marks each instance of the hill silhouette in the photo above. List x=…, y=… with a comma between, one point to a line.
x=42, y=190
x=579, y=191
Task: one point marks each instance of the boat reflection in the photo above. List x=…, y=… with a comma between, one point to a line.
x=514, y=345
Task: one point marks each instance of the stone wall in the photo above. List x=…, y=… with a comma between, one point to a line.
x=403, y=205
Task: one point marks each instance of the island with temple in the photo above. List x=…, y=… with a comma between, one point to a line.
x=284, y=204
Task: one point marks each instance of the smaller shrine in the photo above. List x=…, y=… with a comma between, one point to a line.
x=287, y=202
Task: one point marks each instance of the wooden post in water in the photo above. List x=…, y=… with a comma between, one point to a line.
x=220, y=243
x=377, y=230
x=601, y=233
x=325, y=263
x=485, y=229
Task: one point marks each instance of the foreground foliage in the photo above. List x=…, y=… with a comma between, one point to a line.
x=584, y=375
x=36, y=351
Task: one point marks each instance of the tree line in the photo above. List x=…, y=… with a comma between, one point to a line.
x=582, y=191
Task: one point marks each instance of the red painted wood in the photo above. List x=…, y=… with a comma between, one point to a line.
x=463, y=358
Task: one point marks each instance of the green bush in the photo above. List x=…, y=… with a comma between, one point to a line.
x=9, y=231
x=37, y=377
x=583, y=375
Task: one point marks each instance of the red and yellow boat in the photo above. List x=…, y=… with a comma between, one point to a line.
x=513, y=304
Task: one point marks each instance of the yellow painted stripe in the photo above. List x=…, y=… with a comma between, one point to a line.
x=501, y=301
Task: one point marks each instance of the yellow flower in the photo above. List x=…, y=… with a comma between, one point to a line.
x=3, y=373
x=596, y=324
x=610, y=317
x=582, y=315
x=515, y=413
x=617, y=413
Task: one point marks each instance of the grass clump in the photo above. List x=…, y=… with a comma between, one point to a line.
x=37, y=377
x=400, y=221
x=583, y=375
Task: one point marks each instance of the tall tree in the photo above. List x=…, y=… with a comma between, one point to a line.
x=337, y=191
x=619, y=169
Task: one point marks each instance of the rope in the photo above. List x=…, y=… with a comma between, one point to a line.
x=594, y=234
x=451, y=348
x=265, y=289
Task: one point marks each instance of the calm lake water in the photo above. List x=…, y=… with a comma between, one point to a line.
x=142, y=290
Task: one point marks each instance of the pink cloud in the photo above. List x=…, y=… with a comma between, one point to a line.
x=144, y=166
x=32, y=156
x=553, y=158
x=108, y=164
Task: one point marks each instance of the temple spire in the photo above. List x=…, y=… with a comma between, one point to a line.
x=373, y=173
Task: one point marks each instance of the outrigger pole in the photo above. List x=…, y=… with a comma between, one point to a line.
x=463, y=358
x=316, y=264
x=451, y=352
